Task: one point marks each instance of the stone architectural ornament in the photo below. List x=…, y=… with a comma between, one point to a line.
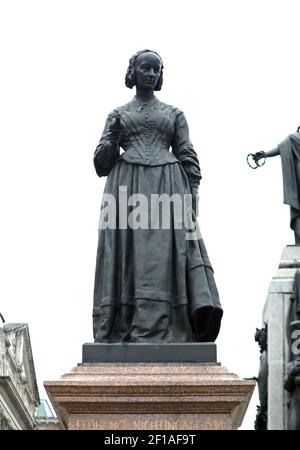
x=19, y=394
x=5, y=423
x=20, y=405
x=292, y=382
x=289, y=151
x=261, y=422
x=154, y=281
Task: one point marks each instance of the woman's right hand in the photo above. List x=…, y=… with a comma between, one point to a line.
x=115, y=129
x=259, y=155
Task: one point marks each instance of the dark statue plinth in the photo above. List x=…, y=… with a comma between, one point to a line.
x=142, y=352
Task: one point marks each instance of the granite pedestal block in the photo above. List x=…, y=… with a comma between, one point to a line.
x=150, y=396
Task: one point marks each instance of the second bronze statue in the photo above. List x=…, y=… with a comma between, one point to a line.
x=289, y=151
x=152, y=283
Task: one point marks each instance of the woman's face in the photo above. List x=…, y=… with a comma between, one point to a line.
x=147, y=70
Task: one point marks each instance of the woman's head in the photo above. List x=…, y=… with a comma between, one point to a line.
x=145, y=69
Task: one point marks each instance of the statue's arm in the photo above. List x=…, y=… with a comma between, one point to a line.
x=260, y=155
x=108, y=149
x=184, y=151
x=271, y=153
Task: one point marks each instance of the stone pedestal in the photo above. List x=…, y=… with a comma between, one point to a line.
x=150, y=396
x=275, y=315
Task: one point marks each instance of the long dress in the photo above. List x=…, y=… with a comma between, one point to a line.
x=152, y=284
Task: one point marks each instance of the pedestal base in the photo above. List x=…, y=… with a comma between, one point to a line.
x=150, y=396
x=141, y=352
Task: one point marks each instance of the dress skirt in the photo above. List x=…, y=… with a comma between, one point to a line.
x=152, y=283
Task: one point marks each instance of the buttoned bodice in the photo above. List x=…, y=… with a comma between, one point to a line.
x=150, y=129
x=148, y=132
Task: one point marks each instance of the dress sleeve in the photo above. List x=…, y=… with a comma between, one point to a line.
x=107, y=151
x=184, y=151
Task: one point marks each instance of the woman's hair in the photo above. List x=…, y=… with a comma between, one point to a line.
x=130, y=74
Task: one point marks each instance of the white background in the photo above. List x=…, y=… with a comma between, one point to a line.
x=231, y=66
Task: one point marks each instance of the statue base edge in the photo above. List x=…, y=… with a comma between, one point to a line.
x=200, y=352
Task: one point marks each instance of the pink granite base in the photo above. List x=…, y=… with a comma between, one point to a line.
x=155, y=396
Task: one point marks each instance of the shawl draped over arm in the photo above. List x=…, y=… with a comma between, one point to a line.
x=184, y=151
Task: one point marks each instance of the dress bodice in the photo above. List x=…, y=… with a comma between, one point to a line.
x=150, y=129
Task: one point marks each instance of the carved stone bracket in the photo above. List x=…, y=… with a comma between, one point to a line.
x=292, y=381
x=261, y=421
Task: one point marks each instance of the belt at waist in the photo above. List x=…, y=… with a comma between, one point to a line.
x=149, y=157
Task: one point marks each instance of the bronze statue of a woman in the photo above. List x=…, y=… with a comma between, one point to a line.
x=152, y=284
x=289, y=151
